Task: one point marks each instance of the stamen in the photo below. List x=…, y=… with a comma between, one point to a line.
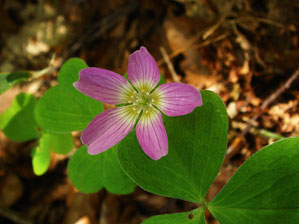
x=139, y=111
x=134, y=108
x=153, y=100
x=142, y=90
x=130, y=101
x=147, y=93
x=146, y=111
x=132, y=97
x=134, y=104
x=150, y=105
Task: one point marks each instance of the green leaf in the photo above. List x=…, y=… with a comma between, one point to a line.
x=41, y=156
x=60, y=143
x=162, y=79
x=18, y=122
x=265, y=189
x=7, y=80
x=196, y=216
x=90, y=173
x=64, y=109
x=197, y=144
x=68, y=73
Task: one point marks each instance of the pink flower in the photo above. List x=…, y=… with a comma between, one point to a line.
x=142, y=101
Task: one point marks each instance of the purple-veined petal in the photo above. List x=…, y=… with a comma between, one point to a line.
x=108, y=128
x=103, y=85
x=175, y=99
x=143, y=71
x=151, y=134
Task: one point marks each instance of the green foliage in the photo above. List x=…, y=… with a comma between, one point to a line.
x=196, y=216
x=264, y=190
x=18, y=122
x=90, y=173
x=63, y=108
x=162, y=79
x=7, y=80
x=41, y=156
x=60, y=143
x=197, y=144
x=69, y=72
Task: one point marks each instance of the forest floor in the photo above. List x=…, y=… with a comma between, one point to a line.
x=246, y=51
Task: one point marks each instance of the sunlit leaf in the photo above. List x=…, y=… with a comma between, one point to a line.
x=18, y=122
x=41, y=156
x=9, y=79
x=60, y=143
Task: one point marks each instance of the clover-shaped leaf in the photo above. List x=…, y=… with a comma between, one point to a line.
x=9, y=79
x=60, y=143
x=265, y=189
x=197, y=144
x=41, y=156
x=90, y=173
x=64, y=109
x=18, y=122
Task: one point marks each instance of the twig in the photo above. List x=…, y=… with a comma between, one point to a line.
x=194, y=46
x=13, y=216
x=235, y=147
x=269, y=134
x=257, y=131
x=51, y=68
x=204, y=35
x=210, y=41
x=271, y=98
x=253, y=19
x=169, y=65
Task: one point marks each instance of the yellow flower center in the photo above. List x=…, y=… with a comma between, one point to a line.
x=142, y=101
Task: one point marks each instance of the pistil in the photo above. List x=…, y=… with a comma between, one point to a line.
x=142, y=101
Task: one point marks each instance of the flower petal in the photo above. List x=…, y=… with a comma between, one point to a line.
x=103, y=85
x=108, y=128
x=151, y=135
x=175, y=99
x=143, y=71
